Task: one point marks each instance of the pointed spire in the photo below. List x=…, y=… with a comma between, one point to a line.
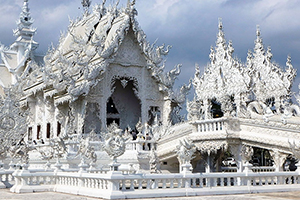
x=257, y=31
x=86, y=5
x=221, y=42
x=220, y=24
x=24, y=32
x=25, y=19
x=259, y=47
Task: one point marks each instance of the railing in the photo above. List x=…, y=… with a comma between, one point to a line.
x=263, y=169
x=116, y=185
x=210, y=125
x=6, y=178
x=140, y=145
x=254, y=169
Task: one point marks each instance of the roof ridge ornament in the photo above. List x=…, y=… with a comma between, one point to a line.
x=86, y=5
x=131, y=8
x=25, y=18
x=220, y=24
x=257, y=31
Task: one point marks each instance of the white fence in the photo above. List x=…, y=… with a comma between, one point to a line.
x=114, y=185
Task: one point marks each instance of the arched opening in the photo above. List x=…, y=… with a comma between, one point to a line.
x=261, y=157
x=123, y=106
x=216, y=110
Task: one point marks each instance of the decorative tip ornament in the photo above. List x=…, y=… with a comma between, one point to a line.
x=257, y=31
x=220, y=24
x=86, y=4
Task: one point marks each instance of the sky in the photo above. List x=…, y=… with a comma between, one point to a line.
x=190, y=26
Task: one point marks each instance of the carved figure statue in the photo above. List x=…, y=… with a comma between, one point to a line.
x=154, y=162
x=185, y=151
x=21, y=150
x=114, y=144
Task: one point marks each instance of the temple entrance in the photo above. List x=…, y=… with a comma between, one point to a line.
x=123, y=107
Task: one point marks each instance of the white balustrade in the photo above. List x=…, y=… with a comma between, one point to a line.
x=210, y=125
x=129, y=184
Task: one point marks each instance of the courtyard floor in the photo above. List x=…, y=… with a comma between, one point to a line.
x=5, y=194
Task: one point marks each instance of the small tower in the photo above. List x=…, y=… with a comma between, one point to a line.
x=24, y=43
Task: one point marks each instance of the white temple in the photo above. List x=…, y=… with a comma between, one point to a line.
x=98, y=116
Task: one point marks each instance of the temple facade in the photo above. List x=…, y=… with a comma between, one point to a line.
x=101, y=100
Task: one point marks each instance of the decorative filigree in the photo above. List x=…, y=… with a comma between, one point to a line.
x=13, y=121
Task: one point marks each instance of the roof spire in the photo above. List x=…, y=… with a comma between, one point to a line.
x=221, y=38
x=220, y=24
x=24, y=31
x=259, y=47
x=86, y=5
x=25, y=18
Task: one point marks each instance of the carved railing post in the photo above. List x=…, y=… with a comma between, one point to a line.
x=247, y=153
x=185, y=153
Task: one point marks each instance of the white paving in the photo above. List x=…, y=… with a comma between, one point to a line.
x=5, y=194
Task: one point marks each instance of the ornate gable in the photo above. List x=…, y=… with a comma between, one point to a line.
x=129, y=52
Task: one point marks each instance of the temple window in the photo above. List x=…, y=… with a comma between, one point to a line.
x=48, y=130
x=29, y=133
x=38, y=131
x=58, y=129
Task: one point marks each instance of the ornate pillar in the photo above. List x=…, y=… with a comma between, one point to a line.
x=166, y=112
x=206, y=105
x=277, y=104
x=237, y=101
x=207, y=166
x=236, y=149
x=81, y=116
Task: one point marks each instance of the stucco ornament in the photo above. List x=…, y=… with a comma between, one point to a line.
x=295, y=148
x=246, y=153
x=154, y=162
x=195, y=110
x=114, y=143
x=21, y=150
x=86, y=150
x=13, y=121
x=185, y=151
x=289, y=110
x=160, y=130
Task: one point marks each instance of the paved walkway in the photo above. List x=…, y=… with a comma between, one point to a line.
x=5, y=194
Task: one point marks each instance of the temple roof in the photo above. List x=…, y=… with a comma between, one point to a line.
x=91, y=44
